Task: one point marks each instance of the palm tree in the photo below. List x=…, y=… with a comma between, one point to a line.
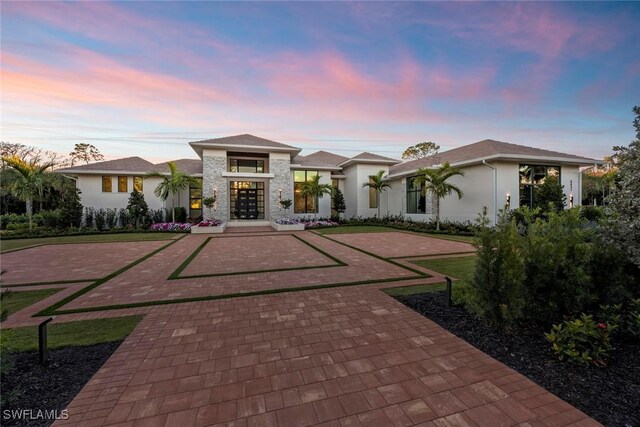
x=172, y=183
x=26, y=181
x=376, y=183
x=435, y=180
x=312, y=188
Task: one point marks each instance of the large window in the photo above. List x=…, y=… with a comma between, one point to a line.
x=195, y=199
x=106, y=184
x=246, y=165
x=373, y=195
x=137, y=184
x=532, y=176
x=301, y=203
x=123, y=184
x=416, y=200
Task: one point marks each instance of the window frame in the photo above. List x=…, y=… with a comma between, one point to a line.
x=140, y=180
x=107, y=179
x=309, y=205
x=125, y=180
x=416, y=192
x=526, y=188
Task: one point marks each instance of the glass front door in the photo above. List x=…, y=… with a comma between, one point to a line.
x=247, y=200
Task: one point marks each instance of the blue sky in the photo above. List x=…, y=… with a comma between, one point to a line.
x=144, y=78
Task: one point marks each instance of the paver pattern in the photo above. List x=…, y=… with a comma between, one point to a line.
x=77, y=261
x=344, y=356
x=398, y=244
x=238, y=255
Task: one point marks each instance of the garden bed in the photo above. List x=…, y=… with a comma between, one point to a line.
x=609, y=394
x=30, y=386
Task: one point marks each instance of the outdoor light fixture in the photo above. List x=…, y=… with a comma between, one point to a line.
x=571, y=200
x=508, y=202
x=42, y=341
x=280, y=195
x=215, y=193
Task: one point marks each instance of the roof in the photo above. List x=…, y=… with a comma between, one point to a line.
x=129, y=164
x=240, y=141
x=320, y=159
x=190, y=166
x=366, y=157
x=487, y=149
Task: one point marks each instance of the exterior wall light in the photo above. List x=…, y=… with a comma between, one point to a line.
x=571, y=200
x=508, y=201
x=280, y=195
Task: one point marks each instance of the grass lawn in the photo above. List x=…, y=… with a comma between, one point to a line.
x=16, y=301
x=9, y=245
x=461, y=268
x=81, y=333
x=467, y=239
x=416, y=289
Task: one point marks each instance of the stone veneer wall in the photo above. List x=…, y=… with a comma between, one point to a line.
x=282, y=180
x=212, y=168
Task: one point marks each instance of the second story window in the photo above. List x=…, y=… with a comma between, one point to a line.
x=123, y=184
x=246, y=166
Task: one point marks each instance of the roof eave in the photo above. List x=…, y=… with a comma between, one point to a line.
x=199, y=146
x=370, y=161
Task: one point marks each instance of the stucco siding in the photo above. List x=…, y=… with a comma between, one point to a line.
x=93, y=197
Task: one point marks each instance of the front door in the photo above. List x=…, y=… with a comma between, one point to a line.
x=247, y=204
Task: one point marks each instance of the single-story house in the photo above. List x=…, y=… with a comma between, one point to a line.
x=249, y=176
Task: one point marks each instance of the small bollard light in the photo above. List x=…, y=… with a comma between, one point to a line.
x=449, y=285
x=42, y=341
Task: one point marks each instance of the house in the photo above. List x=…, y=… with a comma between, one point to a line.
x=249, y=176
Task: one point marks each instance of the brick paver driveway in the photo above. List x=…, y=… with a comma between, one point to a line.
x=339, y=356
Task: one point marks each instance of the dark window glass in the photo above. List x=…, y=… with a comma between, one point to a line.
x=531, y=176
x=416, y=201
x=302, y=204
x=246, y=165
x=195, y=199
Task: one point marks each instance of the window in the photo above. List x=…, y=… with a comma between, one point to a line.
x=195, y=199
x=137, y=184
x=301, y=203
x=246, y=166
x=106, y=184
x=416, y=200
x=532, y=176
x=373, y=196
x=247, y=200
x=123, y=184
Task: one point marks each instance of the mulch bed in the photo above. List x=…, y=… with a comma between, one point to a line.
x=611, y=394
x=29, y=386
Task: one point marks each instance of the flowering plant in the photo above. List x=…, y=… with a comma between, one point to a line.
x=288, y=221
x=210, y=223
x=320, y=223
x=171, y=226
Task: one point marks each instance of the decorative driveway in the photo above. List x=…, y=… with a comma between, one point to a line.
x=338, y=356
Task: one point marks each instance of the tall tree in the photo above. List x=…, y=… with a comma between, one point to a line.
x=338, y=201
x=623, y=207
x=418, y=151
x=312, y=188
x=172, y=184
x=435, y=181
x=25, y=181
x=377, y=183
x=86, y=153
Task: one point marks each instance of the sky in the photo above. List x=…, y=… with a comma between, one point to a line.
x=145, y=78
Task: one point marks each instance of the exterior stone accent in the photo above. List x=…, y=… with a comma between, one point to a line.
x=282, y=180
x=212, y=168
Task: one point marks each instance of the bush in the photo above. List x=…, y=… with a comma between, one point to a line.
x=156, y=216
x=111, y=218
x=591, y=213
x=89, y=216
x=52, y=219
x=138, y=209
x=71, y=210
x=625, y=317
x=496, y=291
x=101, y=219
x=581, y=340
x=549, y=196
x=181, y=214
x=124, y=218
x=5, y=220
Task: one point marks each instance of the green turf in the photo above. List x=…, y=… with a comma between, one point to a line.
x=416, y=289
x=16, y=301
x=455, y=237
x=461, y=268
x=10, y=245
x=81, y=333
x=348, y=229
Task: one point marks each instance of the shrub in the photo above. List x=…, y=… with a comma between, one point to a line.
x=156, y=216
x=137, y=208
x=591, y=213
x=549, y=196
x=71, y=210
x=625, y=317
x=89, y=216
x=338, y=201
x=496, y=290
x=181, y=214
x=52, y=219
x=124, y=218
x=101, y=219
x=581, y=340
x=111, y=218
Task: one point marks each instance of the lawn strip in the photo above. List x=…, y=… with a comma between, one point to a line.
x=187, y=261
x=461, y=268
x=53, y=282
x=225, y=296
x=16, y=301
x=85, y=238
x=353, y=229
x=51, y=310
x=439, y=255
x=78, y=333
x=415, y=289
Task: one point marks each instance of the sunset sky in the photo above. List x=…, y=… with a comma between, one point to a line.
x=145, y=78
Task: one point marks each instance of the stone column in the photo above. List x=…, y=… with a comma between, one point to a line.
x=280, y=167
x=214, y=163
